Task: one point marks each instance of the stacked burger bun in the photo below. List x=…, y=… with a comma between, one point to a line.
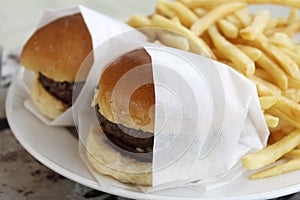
x=55, y=53
x=123, y=147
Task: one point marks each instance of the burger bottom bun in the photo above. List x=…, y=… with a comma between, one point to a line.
x=108, y=161
x=47, y=104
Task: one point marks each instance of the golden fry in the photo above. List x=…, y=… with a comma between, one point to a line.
x=263, y=74
x=265, y=88
x=164, y=10
x=234, y=20
x=271, y=121
x=274, y=70
x=294, y=15
x=227, y=28
x=261, y=48
x=254, y=53
x=292, y=29
x=278, y=135
x=273, y=152
x=292, y=94
x=267, y=101
x=139, y=21
x=289, y=166
x=197, y=45
x=292, y=154
x=186, y=16
x=176, y=20
x=271, y=24
x=210, y=4
x=281, y=39
x=240, y=59
x=175, y=41
x=287, y=64
x=292, y=55
x=287, y=110
x=200, y=12
x=243, y=16
x=294, y=83
x=203, y=23
x=257, y=26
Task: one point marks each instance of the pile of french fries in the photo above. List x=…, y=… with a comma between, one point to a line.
x=260, y=47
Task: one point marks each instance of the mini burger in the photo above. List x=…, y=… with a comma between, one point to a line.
x=124, y=105
x=55, y=53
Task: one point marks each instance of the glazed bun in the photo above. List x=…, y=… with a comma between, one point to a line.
x=126, y=91
x=47, y=104
x=58, y=49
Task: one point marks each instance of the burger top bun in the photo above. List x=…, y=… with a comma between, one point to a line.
x=126, y=91
x=58, y=49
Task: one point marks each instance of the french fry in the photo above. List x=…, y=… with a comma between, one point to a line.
x=200, y=12
x=287, y=129
x=287, y=64
x=203, y=23
x=164, y=10
x=199, y=3
x=139, y=21
x=263, y=74
x=294, y=83
x=294, y=15
x=250, y=51
x=292, y=29
x=210, y=4
x=292, y=154
x=282, y=21
x=261, y=48
x=227, y=28
x=289, y=166
x=220, y=55
x=273, y=152
x=271, y=24
x=186, y=16
x=274, y=70
x=267, y=101
x=292, y=55
x=244, y=17
x=281, y=40
x=287, y=110
x=157, y=42
x=278, y=135
x=265, y=88
x=284, y=116
x=175, y=41
x=197, y=45
x=234, y=20
x=176, y=20
x=240, y=59
x=275, y=53
x=271, y=121
x=292, y=94
x=257, y=26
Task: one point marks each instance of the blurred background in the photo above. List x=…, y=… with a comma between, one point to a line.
x=18, y=18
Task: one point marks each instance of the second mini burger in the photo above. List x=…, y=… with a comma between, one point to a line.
x=55, y=53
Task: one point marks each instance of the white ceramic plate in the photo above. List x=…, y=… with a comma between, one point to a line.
x=58, y=149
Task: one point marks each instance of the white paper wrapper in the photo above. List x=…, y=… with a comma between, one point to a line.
x=207, y=116
x=101, y=28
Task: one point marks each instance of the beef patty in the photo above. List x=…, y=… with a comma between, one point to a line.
x=137, y=143
x=61, y=90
